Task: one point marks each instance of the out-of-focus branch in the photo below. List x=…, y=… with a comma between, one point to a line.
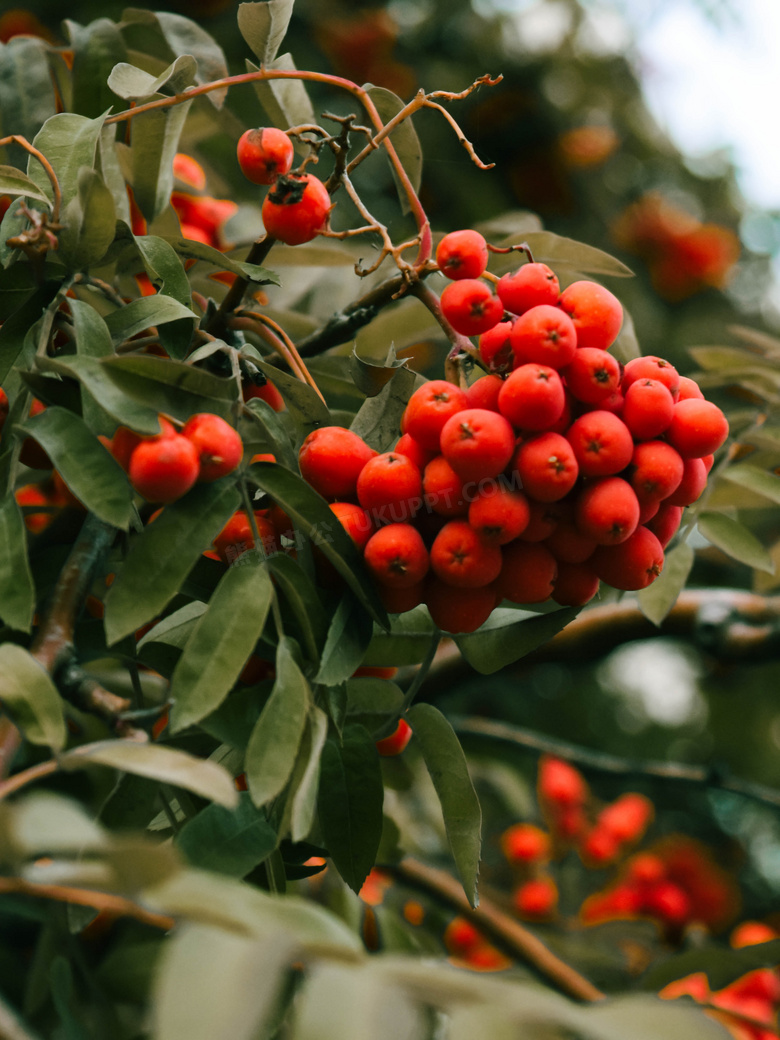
x=512, y=936
x=490, y=733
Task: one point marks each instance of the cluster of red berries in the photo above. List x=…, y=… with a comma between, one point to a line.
x=754, y=996
x=600, y=834
x=534, y=485
x=296, y=208
x=164, y=467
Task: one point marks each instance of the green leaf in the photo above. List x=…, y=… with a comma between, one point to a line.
x=558, y=251
x=448, y=770
x=375, y=703
x=508, y=635
x=306, y=777
x=379, y=418
x=348, y=638
x=141, y=314
x=735, y=540
x=165, y=269
x=26, y=91
x=311, y=515
x=91, y=472
x=221, y=641
x=14, y=182
x=155, y=142
x=132, y=84
x=96, y=48
x=407, y=641
x=229, y=841
x=110, y=170
x=213, y=982
x=273, y=745
x=303, y=403
x=263, y=26
x=17, y=588
x=300, y=595
x=168, y=765
x=31, y=698
x=89, y=222
x=91, y=332
x=350, y=803
x=286, y=101
x=69, y=142
x=163, y=385
x=370, y=378
x=754, y=479
x=192, y=250
x=163, y=554
x=404, y=140
x=658, y=599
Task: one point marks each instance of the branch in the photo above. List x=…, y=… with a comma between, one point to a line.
x=492, y=732
x=342, y=327
x=512, y=936
x=86, y=897
x=53, y=643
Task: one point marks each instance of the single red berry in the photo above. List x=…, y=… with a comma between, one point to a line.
x=593, y=375
x=355, y=521
x=331, y=459
x=470, y=306
x=483, y=393
x=595, y=311
x=264, y=153
x=443, y=489
x=495, y=347
x=390, y=488
x=656, y=470
x=396, y=742
x=528, y=572
x=651, y=367
x=527, y=287
x=536, y=899
x=462, y=254
x=544, y=335
x=547, y=466
x=218, y=445
x=396, y=556
x=648, y=407
x=560, y=784
x=458, y=610
x=165, y=468
x=499, y=513
x=524, y=843
x=607, y=510
x=697, y=428
x=477, y=443
x=532, y=397
x=429, y=408
x=601, y=442
x=633, y=564
x=296, y=208
x=460, y=557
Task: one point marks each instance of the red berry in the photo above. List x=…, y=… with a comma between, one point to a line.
x=483, y=393
x=593, y=375
x=296, y=208
x=527, y=573
x=536, y=899
x=656, y=470
x=163, y=469
x=527, y=287
x=495, y=347
x=390, y=487
x=218, y=445
x=560, y=784
x=601, y=442
x=575, y=584
x=698, y=428
x=648, y=407
x=396, y=556
x=458, y=609
x=525, y=843
x=607, y=510
x=532, y=397
x=633, y=564
x=397, y=741
x=264, y=153
x=544, y=335
x=331, y=459
x=462, y=254
x=355, y=521
x=499, y=513
x=477, y=443
x=595, y=311
x=461, y=558
x=443, y=489
x=652, y=367
x=429, y=408
x=547, y=466
x=470, y=307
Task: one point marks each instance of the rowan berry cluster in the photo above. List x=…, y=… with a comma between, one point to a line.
x=558, y=469
x=164, y=467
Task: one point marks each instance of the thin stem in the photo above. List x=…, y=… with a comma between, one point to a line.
x=513, y=937
x=86, y=897
x=28, y=776
x=49, y=169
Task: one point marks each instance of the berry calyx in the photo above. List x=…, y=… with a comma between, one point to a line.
x=296, y=208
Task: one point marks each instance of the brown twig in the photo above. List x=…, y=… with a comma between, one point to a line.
x=118, y=905
x=512, y=936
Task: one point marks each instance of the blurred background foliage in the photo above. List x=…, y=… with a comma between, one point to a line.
x=577, y=152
